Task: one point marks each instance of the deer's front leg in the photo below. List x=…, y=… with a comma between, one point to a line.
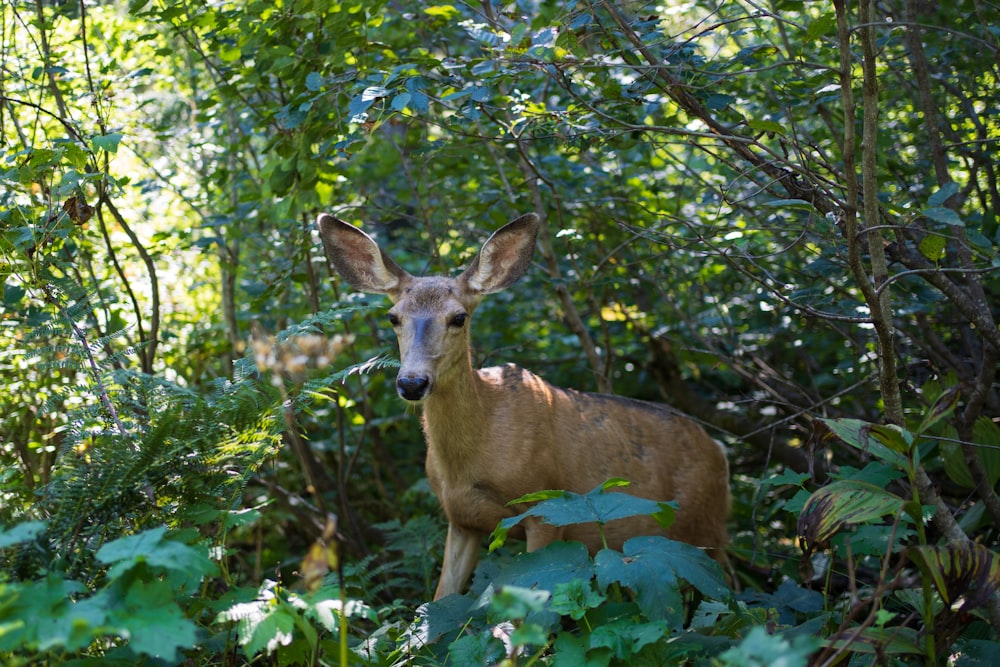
x=539, y=534
x=461, y=552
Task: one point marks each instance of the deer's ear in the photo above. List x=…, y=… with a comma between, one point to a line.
x=504, y=258
x=358, y=259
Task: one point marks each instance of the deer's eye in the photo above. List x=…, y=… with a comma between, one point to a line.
x=458, y=320
x=394, y=319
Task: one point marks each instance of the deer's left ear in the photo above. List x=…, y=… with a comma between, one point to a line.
x=504, y=258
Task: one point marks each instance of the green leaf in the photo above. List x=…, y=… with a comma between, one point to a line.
x=22, y=606
x=188, y=565
x=794, y=204
x=264, y=624
x=943, y=406
x=945, y=216
x=975, y=652
x=843, y=502
x=447, y=616
x=400, y=101
x=943, y=194
x=476, y=649
x=986, y=441
x=572, y=651
x=536, y=496
x=719, y=101
x=760, y=647
x=575, y=598
x=858, y=434
x=22, y=532
x=516, y=602
x=107, y=142
x=230, y=54
x=282, y=179
x=267, y=632
x=653, y=582
x=765, y=125
x=563, y=508
x=625, y=637
x=154, y=623
x=892, y=640
x=789, y=477
x=314, y=81
x=133, y=547
x=651, y=566
x=894, y=437
x=544, y=569
x=822, y=25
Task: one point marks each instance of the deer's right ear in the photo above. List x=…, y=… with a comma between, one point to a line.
x=358, y=259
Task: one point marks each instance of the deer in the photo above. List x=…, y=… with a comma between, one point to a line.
x=496, y=434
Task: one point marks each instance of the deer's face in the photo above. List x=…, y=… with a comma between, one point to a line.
x=431, y=319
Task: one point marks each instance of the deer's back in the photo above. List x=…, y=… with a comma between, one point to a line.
x=529, y=435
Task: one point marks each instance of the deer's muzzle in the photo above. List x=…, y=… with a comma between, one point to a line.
x=412, y=387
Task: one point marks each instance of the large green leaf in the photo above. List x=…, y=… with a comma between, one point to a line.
x=544, y=569
x=40, y=615
x=22, y=532
x=761, y=647
x=600, y=505
x=625, y=637
x=187, y=565
x=152, y=621
x=652, y=567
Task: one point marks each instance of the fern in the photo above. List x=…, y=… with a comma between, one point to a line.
x=139, y=451
x=136, y=451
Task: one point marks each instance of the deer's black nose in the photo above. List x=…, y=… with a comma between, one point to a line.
x=412, y=388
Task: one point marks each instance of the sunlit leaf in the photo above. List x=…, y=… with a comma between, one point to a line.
x=446, y=12
x=932, y=247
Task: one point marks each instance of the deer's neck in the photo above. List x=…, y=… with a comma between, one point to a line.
x=456, y=415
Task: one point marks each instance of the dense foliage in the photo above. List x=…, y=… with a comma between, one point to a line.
x=781, y=218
